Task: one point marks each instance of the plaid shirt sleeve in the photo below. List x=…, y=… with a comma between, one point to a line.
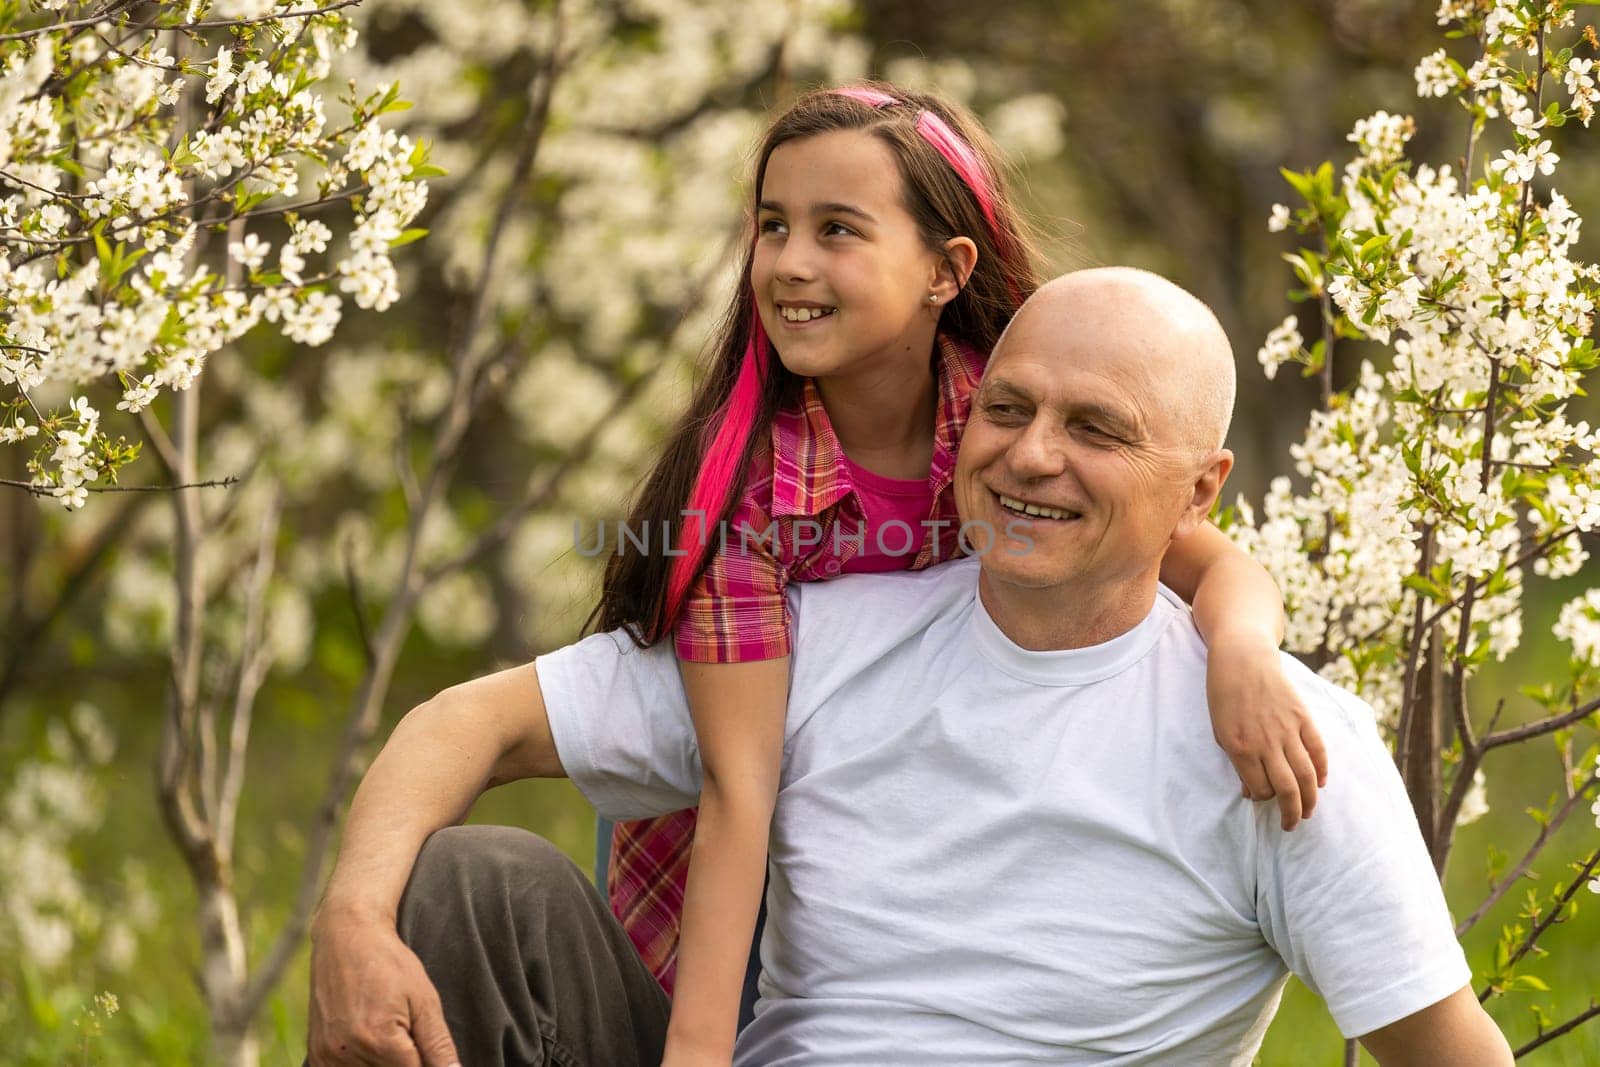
x=737, y=612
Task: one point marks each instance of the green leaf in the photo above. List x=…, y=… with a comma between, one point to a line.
x=405, y=238
x=1300, y=182
x=1373, y=247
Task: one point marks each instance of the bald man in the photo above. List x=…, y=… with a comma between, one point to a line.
x=1004, y=833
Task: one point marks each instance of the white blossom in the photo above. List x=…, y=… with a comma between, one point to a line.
x=1435, y=76
x=1283, y=344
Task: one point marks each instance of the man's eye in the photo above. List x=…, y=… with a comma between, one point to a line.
x=1002, y=411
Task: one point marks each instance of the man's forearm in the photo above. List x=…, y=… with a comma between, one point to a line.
x=439, y=759
x=426, y=777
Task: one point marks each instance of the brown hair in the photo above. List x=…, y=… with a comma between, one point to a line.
x=636, y=591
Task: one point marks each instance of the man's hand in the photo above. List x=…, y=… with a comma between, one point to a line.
x=371, y=1001
x=1258, y=719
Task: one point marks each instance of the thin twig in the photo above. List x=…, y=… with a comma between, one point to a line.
x=1566, y=1027
x=1551, y=916
x=11, y=179
x=1538, y=549
x=276, y=16
x=1541, y=727
x=55, y=27
x=352, y=583
x=1545, y=832
x=50, y=490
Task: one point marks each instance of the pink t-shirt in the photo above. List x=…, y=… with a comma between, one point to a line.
x=896, y=509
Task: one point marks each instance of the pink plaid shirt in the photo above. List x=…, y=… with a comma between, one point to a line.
x=737, y=610
x=799, y=519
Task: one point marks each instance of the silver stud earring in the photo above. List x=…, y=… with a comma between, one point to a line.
x=933, y=298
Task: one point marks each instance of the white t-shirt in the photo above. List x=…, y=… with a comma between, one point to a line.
x=985, y=855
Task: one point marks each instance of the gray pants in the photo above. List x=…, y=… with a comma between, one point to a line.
x=528, y=960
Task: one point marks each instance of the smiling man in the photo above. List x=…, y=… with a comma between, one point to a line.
x=1004, y=832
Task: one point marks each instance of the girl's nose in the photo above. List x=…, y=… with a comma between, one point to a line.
x=796, y=261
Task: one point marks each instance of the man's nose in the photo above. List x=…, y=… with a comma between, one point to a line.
x=1038, y=451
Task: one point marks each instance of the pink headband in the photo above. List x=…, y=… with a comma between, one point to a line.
x=949, y=144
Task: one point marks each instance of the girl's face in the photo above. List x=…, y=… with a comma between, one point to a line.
x=841, y=273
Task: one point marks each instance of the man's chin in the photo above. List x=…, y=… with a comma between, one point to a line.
x=1017, y=572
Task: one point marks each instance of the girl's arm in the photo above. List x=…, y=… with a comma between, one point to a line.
x=738, y=711
x=1256, y=715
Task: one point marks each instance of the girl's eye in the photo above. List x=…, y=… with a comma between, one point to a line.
x=838, y=229
x=772, y=226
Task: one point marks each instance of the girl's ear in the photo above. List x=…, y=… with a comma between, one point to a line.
x=956, y=260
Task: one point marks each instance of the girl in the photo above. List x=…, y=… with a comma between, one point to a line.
x=885, y=264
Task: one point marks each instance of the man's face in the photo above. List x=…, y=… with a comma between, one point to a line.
x=1071, y=417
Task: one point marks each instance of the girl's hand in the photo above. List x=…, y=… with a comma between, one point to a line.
x=1258, y=719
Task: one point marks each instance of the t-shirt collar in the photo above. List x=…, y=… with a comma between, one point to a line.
x=1072, y=666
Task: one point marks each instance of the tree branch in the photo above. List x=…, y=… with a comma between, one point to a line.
x=1546, y=831
x=54, y=27
x=1567, y=1027
x=1540, y=728
x=357, y=608
x=1551, y=916
x=254, y=662
x=362, y=722
x=276, y=16
x=50, y=490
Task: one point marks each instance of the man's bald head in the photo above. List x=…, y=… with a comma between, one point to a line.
x=1183, y=355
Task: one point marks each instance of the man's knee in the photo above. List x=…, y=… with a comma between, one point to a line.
x=489, y=862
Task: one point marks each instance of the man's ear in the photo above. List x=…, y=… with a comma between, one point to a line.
x=957, y=259
x=1207, y=486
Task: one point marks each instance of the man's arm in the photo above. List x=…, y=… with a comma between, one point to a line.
x=371, y=1002
x=1455, y=1032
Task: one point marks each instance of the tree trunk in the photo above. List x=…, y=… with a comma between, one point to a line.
x=224, y=975
x=1425, y=737
x=234, y=1048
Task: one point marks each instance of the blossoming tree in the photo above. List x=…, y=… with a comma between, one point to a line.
x=1443, y=479
x=151, y=156
x=583, y=224
x=132, y=136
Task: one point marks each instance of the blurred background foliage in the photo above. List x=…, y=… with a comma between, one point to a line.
x=1146, y=132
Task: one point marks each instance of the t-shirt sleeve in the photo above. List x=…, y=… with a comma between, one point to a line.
x=1349, y=898
x=736, y=612
x=621, y=725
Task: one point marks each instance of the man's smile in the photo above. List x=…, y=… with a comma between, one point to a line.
x=1032, y=510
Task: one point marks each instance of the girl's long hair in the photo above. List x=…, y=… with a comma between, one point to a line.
x=707, y=456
